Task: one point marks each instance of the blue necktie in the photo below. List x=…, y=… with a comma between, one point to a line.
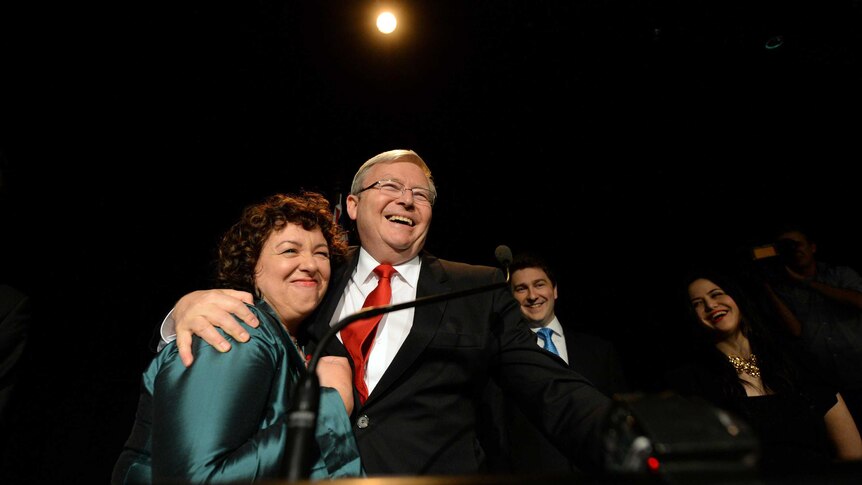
x=545, y=333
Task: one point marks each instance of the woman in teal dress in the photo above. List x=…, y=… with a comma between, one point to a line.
x=224, y=418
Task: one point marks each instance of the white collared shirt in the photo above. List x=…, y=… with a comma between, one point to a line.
x=558, y=337
x=394, y=327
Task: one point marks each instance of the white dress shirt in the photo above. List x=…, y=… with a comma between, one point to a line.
x=558, y=337
x=394, y=327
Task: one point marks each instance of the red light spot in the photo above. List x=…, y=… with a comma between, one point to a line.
x=652, y=464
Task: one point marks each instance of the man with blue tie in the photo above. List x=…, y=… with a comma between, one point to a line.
x=535, y=288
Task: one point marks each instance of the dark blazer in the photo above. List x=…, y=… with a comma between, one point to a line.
x=517, y=446
x=15, y=315
x=422, y=417
x=597, y=359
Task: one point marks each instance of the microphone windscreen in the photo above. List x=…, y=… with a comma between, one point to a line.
x=504, y=255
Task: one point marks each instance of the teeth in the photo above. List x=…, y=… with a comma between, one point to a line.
x=402, y=220
x=715, y=316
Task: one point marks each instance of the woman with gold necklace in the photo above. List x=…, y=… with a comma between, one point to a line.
x=801, y=422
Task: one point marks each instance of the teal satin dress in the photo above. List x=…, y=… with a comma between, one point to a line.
x=223, y=418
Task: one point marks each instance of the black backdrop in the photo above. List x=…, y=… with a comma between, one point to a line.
x=622, y=139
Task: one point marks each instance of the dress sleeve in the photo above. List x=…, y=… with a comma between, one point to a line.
x=207, y=418
x=813, y=383
x=339, y=453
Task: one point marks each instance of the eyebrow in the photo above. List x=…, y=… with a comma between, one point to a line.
x=287, y=241
x=708, y=292
x=395, y=179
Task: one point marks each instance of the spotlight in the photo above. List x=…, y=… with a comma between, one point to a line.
x=386, y=22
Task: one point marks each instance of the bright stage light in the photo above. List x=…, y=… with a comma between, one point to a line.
x=386, y=22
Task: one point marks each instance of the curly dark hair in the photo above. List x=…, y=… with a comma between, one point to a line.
x=241, y=245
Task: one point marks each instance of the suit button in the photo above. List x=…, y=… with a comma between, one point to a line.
x=362, y=422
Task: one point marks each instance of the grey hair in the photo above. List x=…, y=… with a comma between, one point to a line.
x=390, y=157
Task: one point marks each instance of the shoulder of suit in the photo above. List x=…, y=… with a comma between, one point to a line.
x=8, y=292
x=476, y=273
x=588, y=337
x=351, y=254
x=428, y=258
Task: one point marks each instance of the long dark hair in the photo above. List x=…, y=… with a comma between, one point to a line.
x=776, y=368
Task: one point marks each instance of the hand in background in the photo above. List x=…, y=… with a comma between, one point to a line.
x=794, y=276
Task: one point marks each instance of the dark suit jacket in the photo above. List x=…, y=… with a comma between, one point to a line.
x=14, y=328
x=422, y=417
x=597, y=359
x=515, y=444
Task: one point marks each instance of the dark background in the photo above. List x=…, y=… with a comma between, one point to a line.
x=622, y=139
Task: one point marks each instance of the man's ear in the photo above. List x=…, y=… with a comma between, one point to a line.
x=352, y=206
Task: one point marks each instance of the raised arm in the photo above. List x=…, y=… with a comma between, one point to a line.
x=840, y=295
x=200, y=312
x=782, y=311
x=846, y=292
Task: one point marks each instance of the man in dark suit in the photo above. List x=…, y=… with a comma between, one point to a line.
x=15, y=321
x=516, y=445
x=14, y=328
x=534, y=286
x=427, y=366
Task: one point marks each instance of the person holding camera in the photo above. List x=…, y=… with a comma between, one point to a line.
x=820, y=305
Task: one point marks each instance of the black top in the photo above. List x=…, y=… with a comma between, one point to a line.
x=789, y=425
x=791, y=431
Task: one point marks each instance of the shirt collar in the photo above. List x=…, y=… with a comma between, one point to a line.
x=407, y=271
x=553, y=325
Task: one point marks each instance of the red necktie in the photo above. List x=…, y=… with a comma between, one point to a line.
x=358, y=336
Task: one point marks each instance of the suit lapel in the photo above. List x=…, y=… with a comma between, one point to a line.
x=426, y=320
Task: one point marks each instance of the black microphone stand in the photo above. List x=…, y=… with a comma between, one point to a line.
x=302, y=415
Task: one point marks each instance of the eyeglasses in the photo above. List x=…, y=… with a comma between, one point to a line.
x=395, y=189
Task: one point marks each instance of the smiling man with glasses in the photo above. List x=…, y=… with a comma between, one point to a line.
x=426, y=367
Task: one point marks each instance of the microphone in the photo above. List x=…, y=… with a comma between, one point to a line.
x=504, y=257
x=302, y=414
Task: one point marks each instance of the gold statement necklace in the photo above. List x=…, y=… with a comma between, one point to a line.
x=745, y=366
